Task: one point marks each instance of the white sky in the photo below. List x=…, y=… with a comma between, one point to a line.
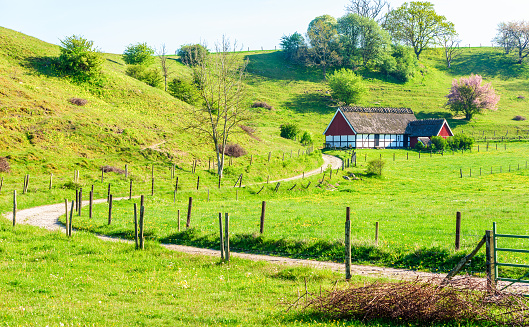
x=112, y=25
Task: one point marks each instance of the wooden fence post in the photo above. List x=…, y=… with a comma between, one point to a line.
x=130, y=190
x=227, y=237
x=221, y=237
x=51, y=182
x=263, y=211
x=152, y=187
x=108, y=193
x=14, y=208
x=376, y=233
x=136, y=225
x=176, y=185
x=489, y=260
x=110, y=210
x=178, y=219
x=198, y=182
x=80, y=200
x=269, y=155
x=66, y=223
x=189, y=207
x=458, y=230
x=69, y=227
x=141, y=238
x=77, y=200
x=348, y=243
x=126, y=171
x=102, y=175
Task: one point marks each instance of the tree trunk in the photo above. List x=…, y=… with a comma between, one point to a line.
x=468, y=116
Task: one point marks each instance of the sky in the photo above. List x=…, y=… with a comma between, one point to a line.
x=114, y=24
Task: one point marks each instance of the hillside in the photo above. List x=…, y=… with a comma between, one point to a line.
x=123, y=117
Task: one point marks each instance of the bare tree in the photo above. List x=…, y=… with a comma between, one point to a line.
x=220, y=79
x=514, y=36
x=162, y=54
x=451, y=48
x=374, y=9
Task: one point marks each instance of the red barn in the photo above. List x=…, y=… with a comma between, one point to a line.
x=358, y=127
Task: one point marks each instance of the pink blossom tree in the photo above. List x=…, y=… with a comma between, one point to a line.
x=467, y=96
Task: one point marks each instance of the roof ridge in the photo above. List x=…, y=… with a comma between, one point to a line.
x=387, y=110
x=427, y=121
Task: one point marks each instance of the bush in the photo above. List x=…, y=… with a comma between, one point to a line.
x=346, y=86
x=4, y=165
x=191, y=54
x=419, y=146
x=234, y=150
x=438, y=143
x=289, y=130
x=79, y=58
x=78, y=101
x=460, y=142
x=306, y=138
x=262, y=105
x=138, y=54
x=151, y=76
x=375, y=167
x=183, y=90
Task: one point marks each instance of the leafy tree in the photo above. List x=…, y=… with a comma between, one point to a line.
x=183, y=90
x=220, y=81
x=138, y=54
x=467, y=96
x=289, y=130
x=323, y=40
x=514, y=36
x=191, y=54
x=346, y=86
x=417, y=24
x=400, y=64
x=293, y=46
x=151, y=76
x=362, y=39
x=79, y=57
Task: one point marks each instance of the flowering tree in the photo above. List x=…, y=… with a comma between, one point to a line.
x=467, y=96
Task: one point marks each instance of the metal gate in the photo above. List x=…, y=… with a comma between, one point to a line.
x=496, y=249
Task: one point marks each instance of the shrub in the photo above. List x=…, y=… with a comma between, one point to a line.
x=346, y=86
x=262, y=105
x=458, y=142
x=438, y=143
x=375, y=167
x=183, y=90
x=138, y=54
x=78, y=101
x=234, y=150
x=151, y=76
x=191, y=54
x=289, y=130
x=306, y=138
x=79, y=58
x=4, y=165
x=419, y=146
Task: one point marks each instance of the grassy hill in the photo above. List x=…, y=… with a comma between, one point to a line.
x=124, y=116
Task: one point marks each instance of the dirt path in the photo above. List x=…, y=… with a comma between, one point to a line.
x=48, y=217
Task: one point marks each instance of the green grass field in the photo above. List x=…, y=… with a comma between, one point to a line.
x=415, y=201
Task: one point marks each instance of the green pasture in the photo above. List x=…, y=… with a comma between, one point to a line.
x=415, y=203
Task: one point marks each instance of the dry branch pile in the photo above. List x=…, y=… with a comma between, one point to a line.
x=110, y=169
x=234, y=150
x=78, y=101
x=423, y=302
x=262, y=104
x=4, y=165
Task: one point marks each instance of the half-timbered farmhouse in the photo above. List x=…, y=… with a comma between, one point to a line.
x=358, y=127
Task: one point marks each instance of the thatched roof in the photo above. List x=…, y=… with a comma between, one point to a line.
x=378, y=120
x=425, y=127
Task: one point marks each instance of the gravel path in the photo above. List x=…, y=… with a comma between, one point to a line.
x=48, y=217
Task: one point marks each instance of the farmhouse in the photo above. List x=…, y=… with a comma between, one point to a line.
x=358, y=127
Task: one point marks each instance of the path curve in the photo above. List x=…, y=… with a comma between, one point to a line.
x=47, y=217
